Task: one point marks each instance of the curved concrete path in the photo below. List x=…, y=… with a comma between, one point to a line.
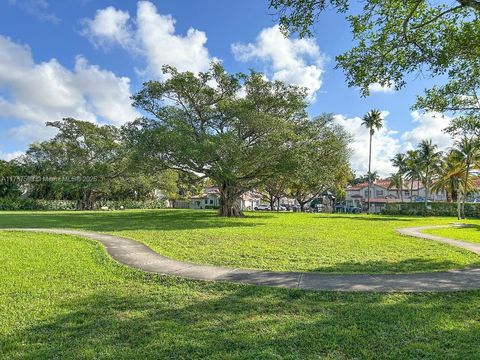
x=137, y=255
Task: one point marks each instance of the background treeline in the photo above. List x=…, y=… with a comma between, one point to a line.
x=238, y=132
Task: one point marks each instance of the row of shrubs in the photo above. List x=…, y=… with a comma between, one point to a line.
x=434, y=209
x=37, y=204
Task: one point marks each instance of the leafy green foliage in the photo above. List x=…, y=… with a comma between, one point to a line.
x=321, y=161
x=472, y=210
x=396, y=38
x=238, y=142
x=89, y=163
x=429, y=160
x=8, y=187
x=11, y=204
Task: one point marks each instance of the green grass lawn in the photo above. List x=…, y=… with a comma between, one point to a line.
x=469, y=234
x=63, y=297
x=283, y=242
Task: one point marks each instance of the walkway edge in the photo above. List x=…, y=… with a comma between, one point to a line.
x=139, y=256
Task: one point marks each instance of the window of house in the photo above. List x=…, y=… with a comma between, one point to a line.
x=379, y=193
x=206, y=201
x=211, y=202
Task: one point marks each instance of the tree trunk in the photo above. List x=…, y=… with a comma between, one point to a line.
x=271, y=201
x=228, y=206
x=467, y=173
x=411, y=190
x=401, y=191
x=459, y=194
x=86, y=201
x=418, y=186
x=369, y=172
x=302, y=205
x=427, y=186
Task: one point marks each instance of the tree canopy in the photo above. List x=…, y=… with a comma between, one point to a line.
x=396, y=38
x=88, y=162
x=322, y=160
x=236, y=130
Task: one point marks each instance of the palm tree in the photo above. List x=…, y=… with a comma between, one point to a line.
x=430, y=160
x=467, y=153
x=451, y=172
x=396, y=180
x=372, y=121
x=399, y=161
x=372, y=176
x=412, y=169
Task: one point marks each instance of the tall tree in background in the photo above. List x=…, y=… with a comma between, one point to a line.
x=430, y=160
x=9, y=187
x=84, y=154
x=449, y=175
x=201, y=125
x=412, y=170
x=399, y=37
x=466, y=152
x=89, y=163
x=274, y=189
x=321, y=160
x=396, y=180
x=399, y=161
x=373, y=122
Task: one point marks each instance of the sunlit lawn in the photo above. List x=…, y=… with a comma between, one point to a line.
x=469, y=234
x=286, y=241
x=62, y=297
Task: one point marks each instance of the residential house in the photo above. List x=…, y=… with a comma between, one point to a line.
x=211, y=199
x=250, y=200
x=383, y=191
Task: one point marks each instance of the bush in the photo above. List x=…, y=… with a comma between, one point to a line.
x=211, y=207
x=132, y=204
x=7, y=204
x=435, y=209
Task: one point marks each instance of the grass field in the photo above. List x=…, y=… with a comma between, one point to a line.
x=62, y=297
x=283, y=242
x=469, y=234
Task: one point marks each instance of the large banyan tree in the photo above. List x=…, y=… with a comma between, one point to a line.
x=236, y=130
x=233, y=129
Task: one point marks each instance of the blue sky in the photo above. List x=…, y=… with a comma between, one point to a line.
x=83, y=58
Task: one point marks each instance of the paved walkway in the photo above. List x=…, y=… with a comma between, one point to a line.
x=137, y=255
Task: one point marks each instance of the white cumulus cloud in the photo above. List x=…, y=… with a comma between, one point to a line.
x=110, y=26
x=378, y=88
x=387, y=142
x=384, y=145
x=151, y=35
x=429, y=125
x=7, y=156
x=295, y=61
x=35, y=93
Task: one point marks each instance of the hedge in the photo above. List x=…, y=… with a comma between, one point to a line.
x=434, y=209
x=8, y=204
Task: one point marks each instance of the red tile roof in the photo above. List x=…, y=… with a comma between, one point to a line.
x=386, y=184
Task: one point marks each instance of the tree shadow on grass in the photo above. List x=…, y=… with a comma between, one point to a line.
x=128, y=220
x=220, y=321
